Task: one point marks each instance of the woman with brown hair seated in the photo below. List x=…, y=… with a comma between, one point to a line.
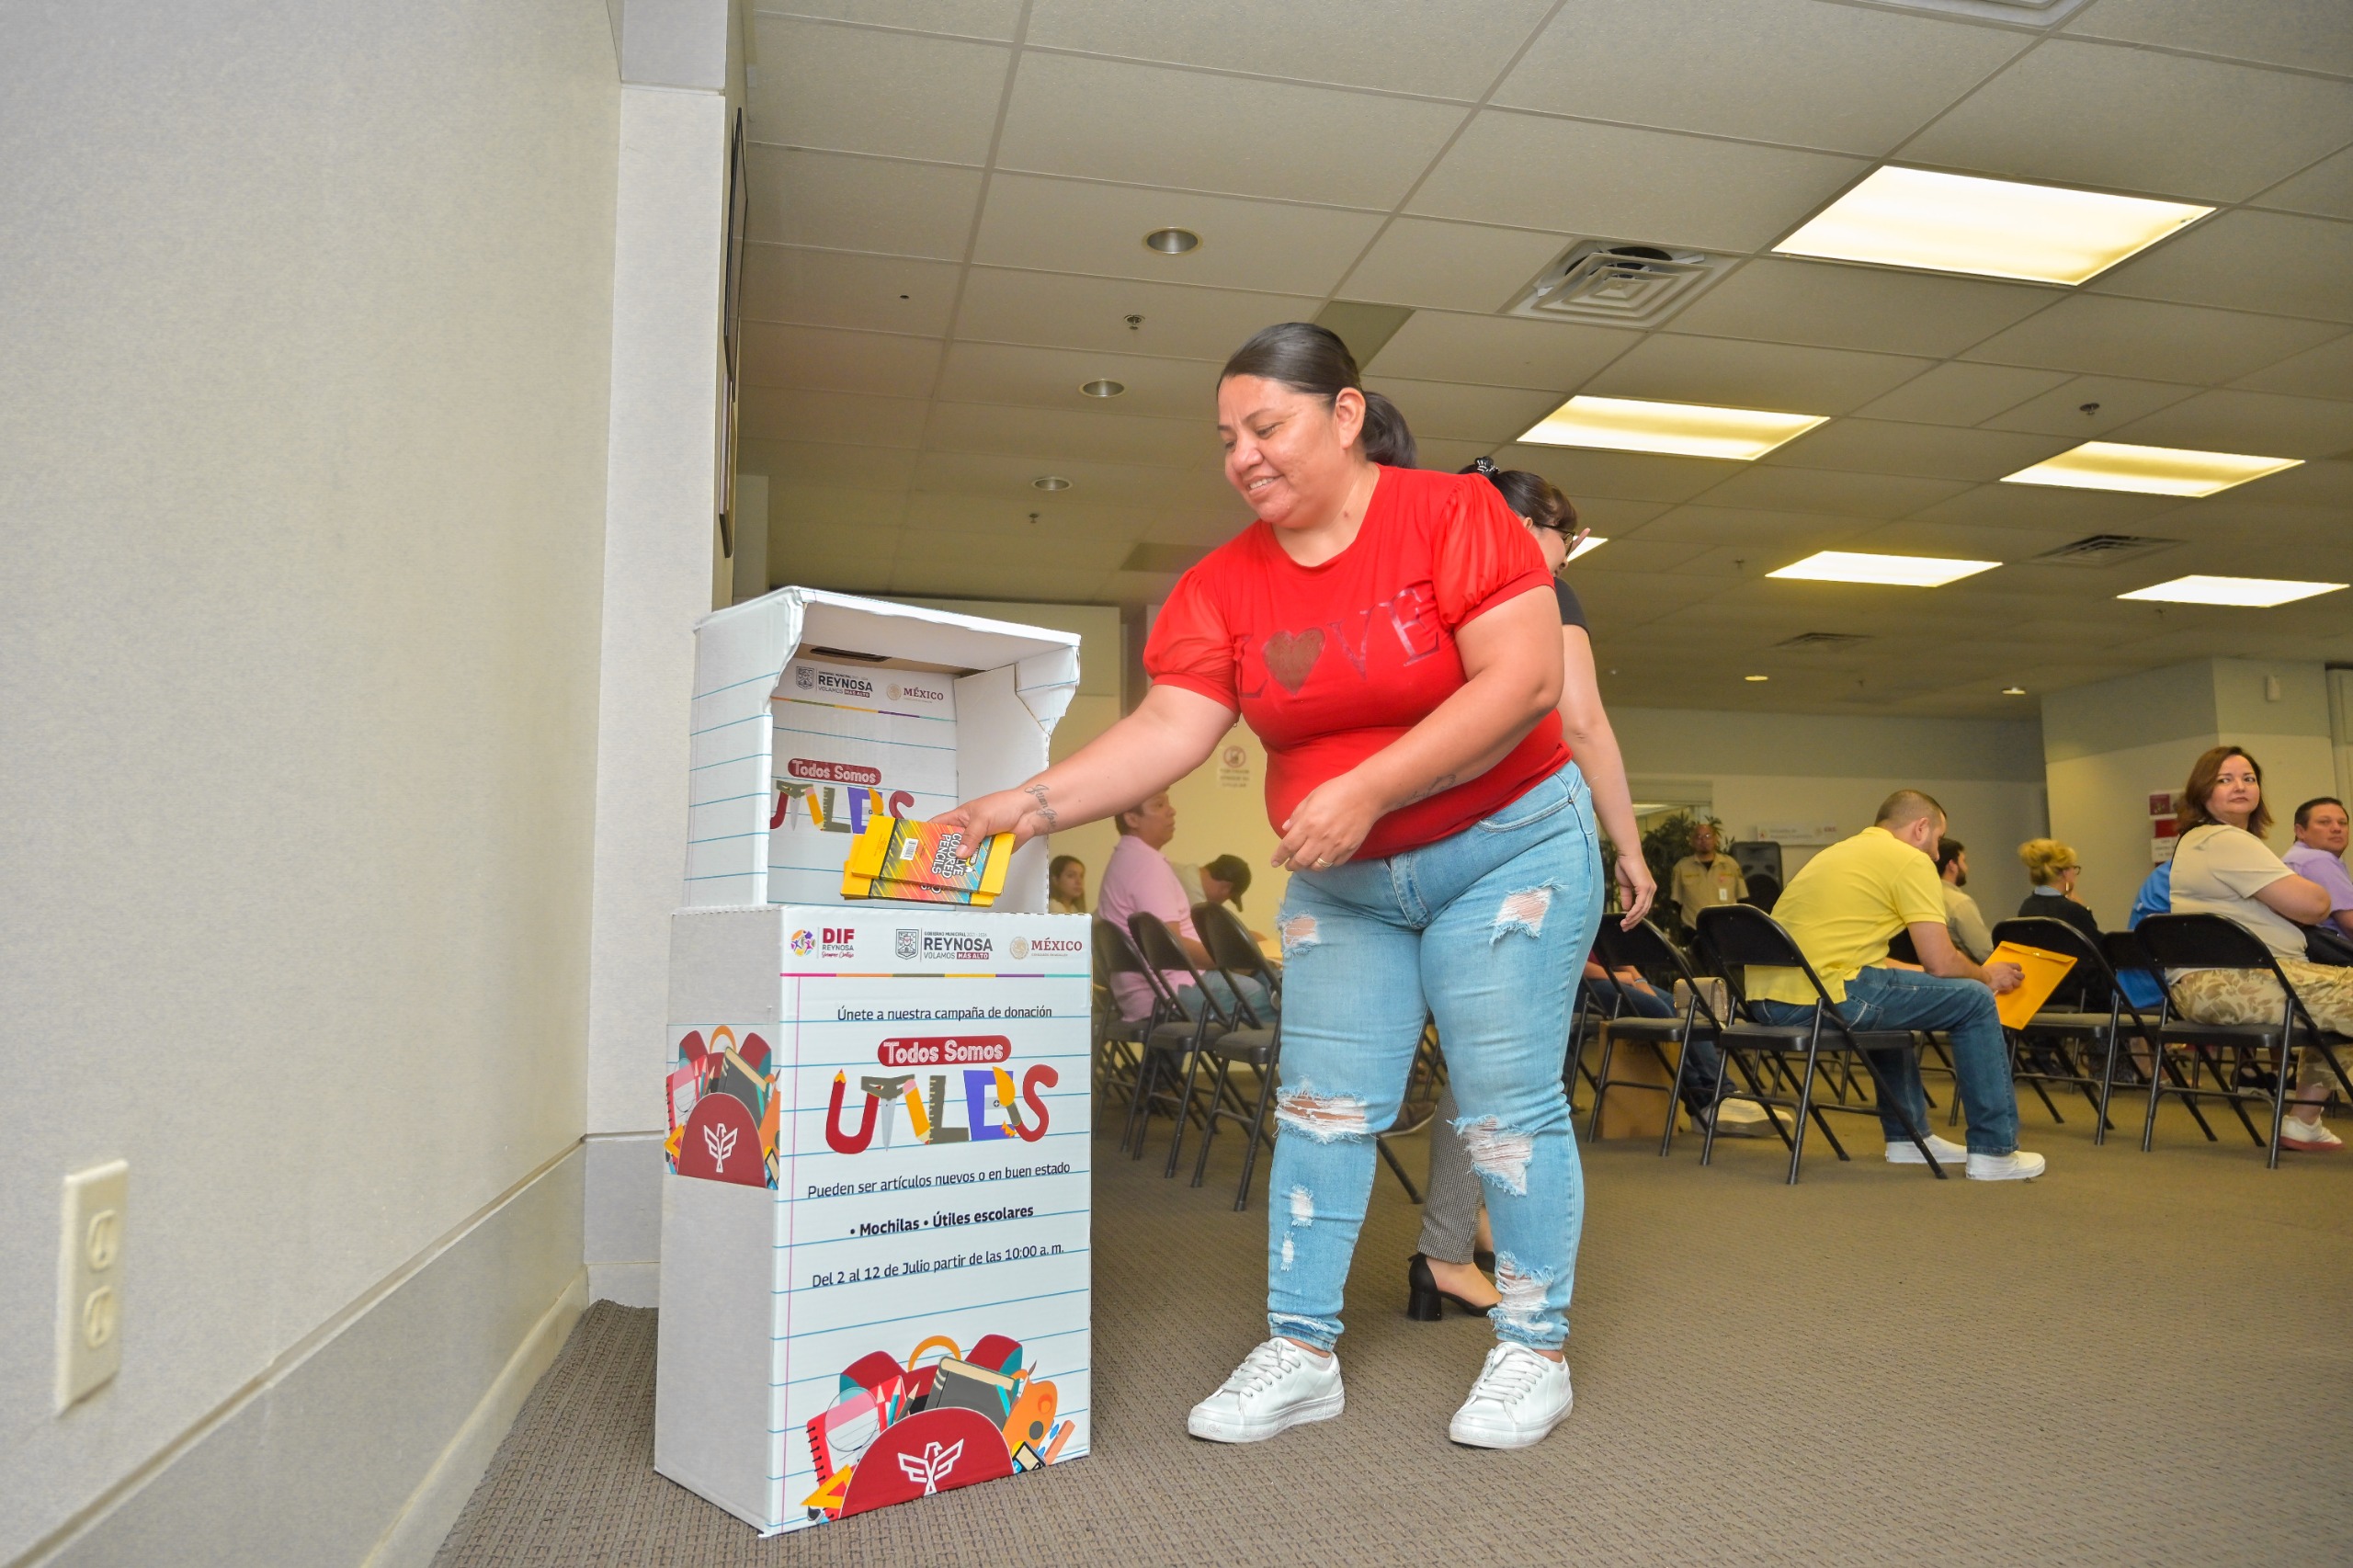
x=2221, y=865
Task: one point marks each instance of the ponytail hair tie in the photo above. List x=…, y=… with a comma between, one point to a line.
x=1486, y=467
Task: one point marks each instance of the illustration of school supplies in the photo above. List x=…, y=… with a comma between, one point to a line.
x=841, y=1435
x=903, y=858
x=1062, y=1436
x=962, y=1386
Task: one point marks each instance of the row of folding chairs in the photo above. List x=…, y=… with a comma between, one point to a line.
x=1780, y=1067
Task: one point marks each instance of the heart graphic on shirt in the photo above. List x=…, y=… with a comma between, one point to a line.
x=1290, y=655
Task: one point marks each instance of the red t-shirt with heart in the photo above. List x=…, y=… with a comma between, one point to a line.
x=1330, y=664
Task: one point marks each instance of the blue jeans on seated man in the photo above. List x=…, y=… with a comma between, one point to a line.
x=1253, y=989
x=1903, y=999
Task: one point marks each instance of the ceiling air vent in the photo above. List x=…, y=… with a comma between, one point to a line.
x=2104, y=549
x=1822, y=640
x=1619, y=281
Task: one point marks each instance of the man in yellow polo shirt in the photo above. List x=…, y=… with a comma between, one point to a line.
x=1842, y=908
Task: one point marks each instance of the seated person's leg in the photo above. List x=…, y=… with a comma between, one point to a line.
x=1902, y=999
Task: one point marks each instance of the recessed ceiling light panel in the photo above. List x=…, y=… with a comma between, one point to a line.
x=1684, y=429
x=2256, y=593
x=2150, y=471
x=1592, y=542
x=1991, y=227
x=1172, y=241
x=1890, y=570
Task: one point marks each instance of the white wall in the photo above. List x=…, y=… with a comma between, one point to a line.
x=304, y=338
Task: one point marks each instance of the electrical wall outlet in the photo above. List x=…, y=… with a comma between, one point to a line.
x=89, y=1280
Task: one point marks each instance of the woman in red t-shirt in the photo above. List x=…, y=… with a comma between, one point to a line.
x=1389, y=634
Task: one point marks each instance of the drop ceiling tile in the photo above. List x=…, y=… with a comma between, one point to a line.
x=1049, y=377
x=2102, y=334
x=1827, y=489
x=1500, y=351
x=2103, y=115
x=1958, y=541
x=818, y=288
x=971, y=19
x=1071, y=226
x=1962, y=393
x=1005, y=521
x=1675, y=369
x=2259, y=424
x=2043, y=507
x=786, y=413
x=2310, y=484
x=2060, y=410
x=816, y=464
x=1790, y=71
x=1054, y=437
x=1090, y=314
x=1759, y=532
x=2326, y=371
x=1622, y=476
x=829, y=359
x=2306, y=35
x=858, y=90
x=1445, y=48
x=1449, y=456
x=834, y=512
x=1612, y=182
x=1614, y=518
x=1930, y=451
x=2325, y=188
x=1149, y=487
x=2247, y=260
x=1151, y=125
x=1450, y=267
x=839, y=202
x=1637, y=556
x=1872, y=308
x=1451, y=410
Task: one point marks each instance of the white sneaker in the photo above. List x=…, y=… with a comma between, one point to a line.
x=1519, y=1397
x=1279, y=1386
x=2016, y=1166
x=1946, y=1151
x=2308, y=1137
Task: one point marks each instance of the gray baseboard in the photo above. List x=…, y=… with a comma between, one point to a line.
x=361, y=1445
x=621, y=1224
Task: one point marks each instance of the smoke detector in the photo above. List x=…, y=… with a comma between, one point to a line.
x=1623, y=282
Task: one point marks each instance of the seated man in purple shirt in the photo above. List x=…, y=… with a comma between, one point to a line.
x=1138, y=879
x=2318, y=854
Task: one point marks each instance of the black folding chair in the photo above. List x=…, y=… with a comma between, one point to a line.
x=1258, y=1044
x=2234, y=1053
x=2046, y=1049
x=1735, y=936
x=1233, y=950
x=1646, y=951
x=1225, y=1012
x=1173, y=1034
x=1118, y=1039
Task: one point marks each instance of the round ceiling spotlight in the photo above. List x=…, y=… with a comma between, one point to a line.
x=1172, y=241
x=1050, y=482
x=1101, y=387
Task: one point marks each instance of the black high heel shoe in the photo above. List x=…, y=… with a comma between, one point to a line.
x=1425, y=1302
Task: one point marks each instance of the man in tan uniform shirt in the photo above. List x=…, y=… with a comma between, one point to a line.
x=1704, y=878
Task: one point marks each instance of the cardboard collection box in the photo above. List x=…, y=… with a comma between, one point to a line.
x=875, y=1256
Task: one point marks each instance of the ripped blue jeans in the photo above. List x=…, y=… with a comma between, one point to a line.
x=1485, y=932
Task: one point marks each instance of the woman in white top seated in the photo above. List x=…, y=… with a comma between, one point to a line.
x=2221, y=865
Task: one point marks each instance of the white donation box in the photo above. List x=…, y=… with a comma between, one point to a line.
x=875, y=1214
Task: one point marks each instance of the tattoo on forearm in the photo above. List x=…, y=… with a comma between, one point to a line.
x=1045, y=812
x=1442, y=782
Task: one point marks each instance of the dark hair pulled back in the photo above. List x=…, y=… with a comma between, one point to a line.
x=1531, y=495
x=1312, y=360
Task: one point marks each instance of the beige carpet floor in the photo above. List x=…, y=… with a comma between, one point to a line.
x=2142, y=1358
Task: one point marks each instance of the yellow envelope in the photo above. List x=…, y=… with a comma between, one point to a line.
x=2044, y=971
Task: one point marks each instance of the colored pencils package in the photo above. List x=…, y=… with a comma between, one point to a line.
x=896, y=858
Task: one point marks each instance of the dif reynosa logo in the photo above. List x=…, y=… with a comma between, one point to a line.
x=827, y=941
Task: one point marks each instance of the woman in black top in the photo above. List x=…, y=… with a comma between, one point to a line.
x=1445, y=1267
x=2052, y=867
